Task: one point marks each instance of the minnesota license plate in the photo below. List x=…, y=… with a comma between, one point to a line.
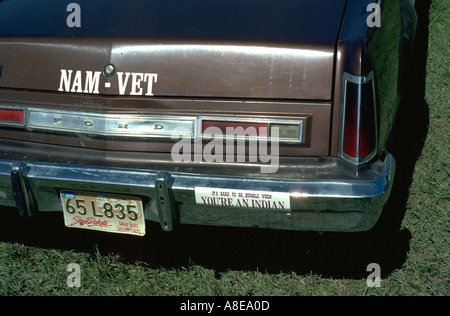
x=104, y=212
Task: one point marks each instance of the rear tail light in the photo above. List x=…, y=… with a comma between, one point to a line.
x=11, y=116
x=359, y=119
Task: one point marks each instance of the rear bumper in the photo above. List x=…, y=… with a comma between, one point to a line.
x=334, y=202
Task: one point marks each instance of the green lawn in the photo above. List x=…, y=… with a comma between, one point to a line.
x=196, y=260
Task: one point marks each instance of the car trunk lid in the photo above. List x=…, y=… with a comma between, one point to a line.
x=233, y=49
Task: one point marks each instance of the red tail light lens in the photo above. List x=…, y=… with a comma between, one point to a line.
x=11, y=116
x=351, y=120
x=359, y=130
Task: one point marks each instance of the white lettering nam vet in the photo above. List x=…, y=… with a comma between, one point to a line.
x=136, y=80
x=91, y=80
x=77, y=81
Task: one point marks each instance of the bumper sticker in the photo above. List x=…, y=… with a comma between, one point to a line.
x=243, y=198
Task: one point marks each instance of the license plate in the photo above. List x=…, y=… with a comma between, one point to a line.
x=104, y=212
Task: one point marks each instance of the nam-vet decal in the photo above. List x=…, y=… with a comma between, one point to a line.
x=128, y=83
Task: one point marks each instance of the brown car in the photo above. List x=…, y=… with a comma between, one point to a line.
x=274, y=114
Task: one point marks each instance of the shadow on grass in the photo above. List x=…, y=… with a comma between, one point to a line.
x=336, y=255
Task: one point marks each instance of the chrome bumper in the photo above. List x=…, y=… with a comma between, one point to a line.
x=331, y=204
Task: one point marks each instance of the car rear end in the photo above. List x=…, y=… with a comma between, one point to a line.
x=221, y=115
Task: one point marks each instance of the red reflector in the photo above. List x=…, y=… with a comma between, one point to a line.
x=238, y=128
x=8, y=115
x=351, y=121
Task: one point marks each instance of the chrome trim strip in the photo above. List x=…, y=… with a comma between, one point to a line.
x=138, y=125
x=358, y=79
x=109, y=124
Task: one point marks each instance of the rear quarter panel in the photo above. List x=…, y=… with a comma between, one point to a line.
x=384, y=49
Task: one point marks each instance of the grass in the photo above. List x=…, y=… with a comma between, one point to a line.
x=223, y=261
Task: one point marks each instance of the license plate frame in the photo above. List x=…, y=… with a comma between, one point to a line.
x=106, y=212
